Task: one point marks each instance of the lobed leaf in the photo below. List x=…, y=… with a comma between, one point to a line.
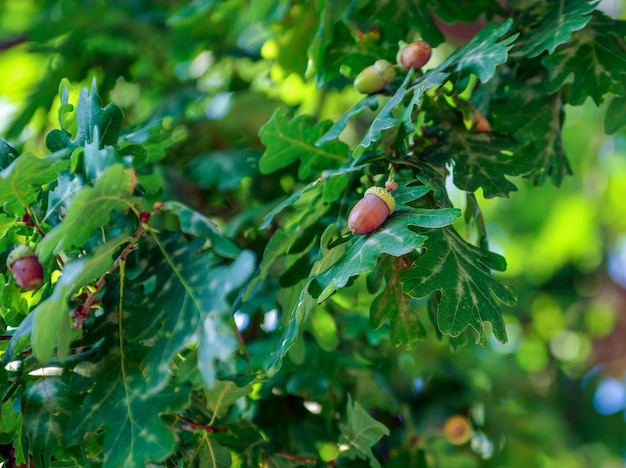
x=288, y=140
x=481, y=159
x=556, y=26
x=185, y=302
x=393, y=238
x=51, y=325
x=360, y=433
x=22, y=180
x=123, y=404
x=393, y=305
x=469, y=294
x=90, y=209
x=594, y=61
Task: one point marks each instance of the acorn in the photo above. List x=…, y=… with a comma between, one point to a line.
x=25, y=267
x=457, y=430
x=414, y=55
x=482, y=124
x=371, y=211
x=375, y=77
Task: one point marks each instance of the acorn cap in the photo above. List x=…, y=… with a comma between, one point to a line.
x=384, y=195
x=21, y=251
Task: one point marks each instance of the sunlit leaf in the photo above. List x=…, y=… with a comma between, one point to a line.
x=89, y=116
x=22, y=181
x=290, y=139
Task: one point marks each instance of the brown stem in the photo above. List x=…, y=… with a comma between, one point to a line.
x=82, y=311
x=194, y=425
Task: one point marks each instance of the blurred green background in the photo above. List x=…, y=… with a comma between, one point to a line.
x=553, y=396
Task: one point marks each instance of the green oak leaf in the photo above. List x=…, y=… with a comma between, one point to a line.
x=369, y=102
x=393, y=238
x=593, y=61
x=615, y=117
x=22, y=180
x=393, y=305
x=7, y=154
x=556, y=26
x=196, y=224
x=186, y=294
x=290, y=139
x=538, y=130
x=396, y=19
x=223, y=395
x=90, y=209
x=481, y=159
x=469, y=294
x=385, y=118
x=47, y=404
x=124, y=405
x=89, y=116
x=482, y=54
x=360, y=433
x=51, y=325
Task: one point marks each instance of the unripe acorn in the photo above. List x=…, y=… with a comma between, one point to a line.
x=375, y=77
x=414, y=55
x=25, y=267
x=457, y=430
x=371, y=211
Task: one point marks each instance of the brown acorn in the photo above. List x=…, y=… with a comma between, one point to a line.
x=457, y=430
x=371, y=211
x=25, y=267
x=414, y=55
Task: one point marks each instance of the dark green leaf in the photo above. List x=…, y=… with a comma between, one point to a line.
x=594, y=61
x=128, y=408
x=394, y=305
x=480, y=160
x=7, y=154
x=196, y=224
x=469, y=294
x=393, y=238
x=367, y=103
x=51, y=318
x=556, y=26
x=89, y=116
x=186, y=293
x=385, y=119
x=538, y=131
x=47, y=405
x=615, y=117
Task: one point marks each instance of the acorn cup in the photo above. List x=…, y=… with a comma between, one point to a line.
x=25, y=267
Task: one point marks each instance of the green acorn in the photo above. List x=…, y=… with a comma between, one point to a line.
x=375, y=77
